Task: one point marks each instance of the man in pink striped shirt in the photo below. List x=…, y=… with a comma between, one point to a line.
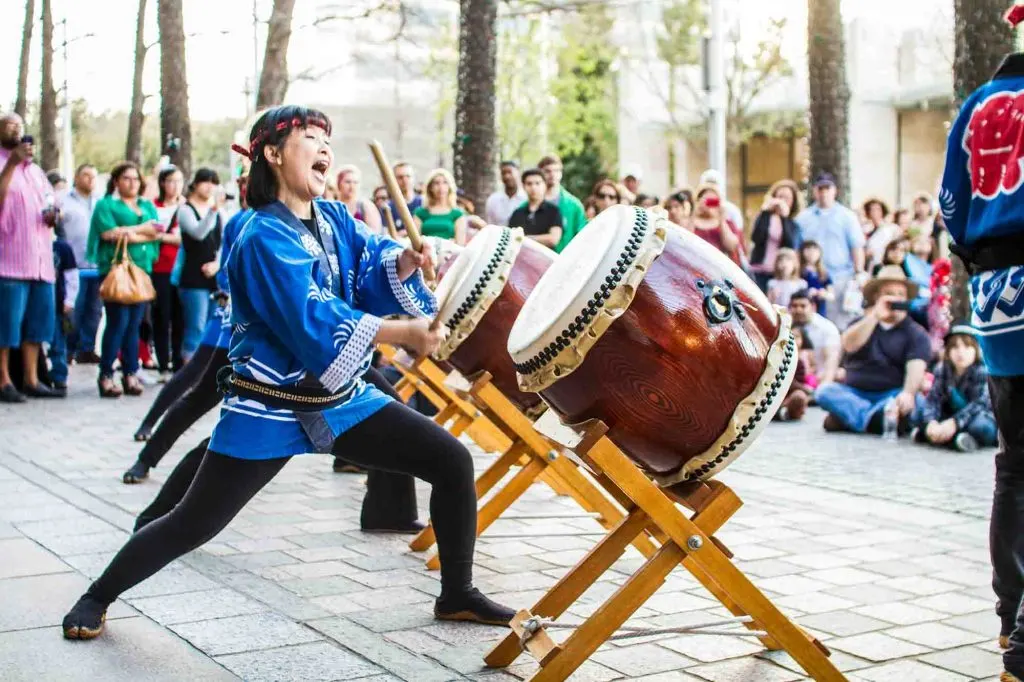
x=26, y=260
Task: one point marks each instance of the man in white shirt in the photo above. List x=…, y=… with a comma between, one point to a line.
x=501, y=204
x=822, y=334
x=76, y=208
x=732, y=211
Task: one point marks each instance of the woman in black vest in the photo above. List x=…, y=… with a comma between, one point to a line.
x=201, y=224
x=775, y=228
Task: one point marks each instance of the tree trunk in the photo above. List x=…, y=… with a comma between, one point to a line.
x=49, y=144
x=21, y=102
x=982, y=40
x=475, y=102
x=175, y=124
x=829, y=93
x=137, y=118
x=274, y=75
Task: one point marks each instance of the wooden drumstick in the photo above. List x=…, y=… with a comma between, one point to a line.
x=398, y=199
x=390, y=220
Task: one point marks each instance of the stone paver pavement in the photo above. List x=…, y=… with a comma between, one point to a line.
x=879, y=550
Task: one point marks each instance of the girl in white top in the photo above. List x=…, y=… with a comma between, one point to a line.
x=787, y=280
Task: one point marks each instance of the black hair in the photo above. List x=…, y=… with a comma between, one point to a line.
x=161, y=178
x=82, y=167
x=272, y=128
x=808, y=344
x=54, y=176
x=508, y=162
x=804, y=294
x=119, y=170
x=203, y=175
x=532, y=171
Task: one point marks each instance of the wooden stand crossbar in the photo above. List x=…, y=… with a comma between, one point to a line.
x=538, y=458
x=684, y=540
x=457, y=415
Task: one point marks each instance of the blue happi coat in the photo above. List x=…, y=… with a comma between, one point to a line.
x=218, y=329
x=299, y=309
x=982, y=197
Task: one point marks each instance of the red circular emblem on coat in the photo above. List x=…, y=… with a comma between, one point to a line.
x=993, y=143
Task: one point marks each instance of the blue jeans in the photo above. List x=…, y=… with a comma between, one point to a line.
x=983, y=429
x=852, y=406
x=121, y=335
x=58, y=353
x=26, y=312
x=88, y=308
x=195, y=304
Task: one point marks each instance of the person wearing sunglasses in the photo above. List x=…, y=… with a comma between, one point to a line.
x=605, y=194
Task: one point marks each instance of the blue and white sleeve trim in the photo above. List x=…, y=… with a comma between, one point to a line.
x=413, y=295
x=354, y=343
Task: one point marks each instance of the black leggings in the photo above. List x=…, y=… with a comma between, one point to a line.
x=184, y=379
x=168, y=323
x=202, y=397
x=394, y=439
x=390, y=500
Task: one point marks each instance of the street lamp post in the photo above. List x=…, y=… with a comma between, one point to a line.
x=716, y=96
x=67, y=160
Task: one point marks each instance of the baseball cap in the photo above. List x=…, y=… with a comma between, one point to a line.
x=825, y=179
x=710, y=177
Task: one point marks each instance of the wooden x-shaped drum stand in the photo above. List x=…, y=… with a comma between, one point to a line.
x=475, y=401
x=652, y=514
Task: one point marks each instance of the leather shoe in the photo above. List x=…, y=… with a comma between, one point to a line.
x=87, y=358
x=41, y=391
x=9, y=394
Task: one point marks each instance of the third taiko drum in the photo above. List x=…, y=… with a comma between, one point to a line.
x=479, y=297
x=652, y=330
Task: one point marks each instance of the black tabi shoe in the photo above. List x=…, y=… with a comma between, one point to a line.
x=472, y=606
x=41, y=391
x=138, y=473
x=85, y=619
x=9, y=394
x=143, y=433
x=396, y=528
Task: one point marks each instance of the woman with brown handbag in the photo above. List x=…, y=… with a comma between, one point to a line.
x=123, y=244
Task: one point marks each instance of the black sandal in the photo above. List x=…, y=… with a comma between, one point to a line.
x=107, y=387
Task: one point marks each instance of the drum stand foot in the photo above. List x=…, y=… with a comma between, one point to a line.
x=537, y=458
x=684, y=540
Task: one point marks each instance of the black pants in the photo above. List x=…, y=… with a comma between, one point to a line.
x=390, y=500
x=168, y=323
x=184, y=379
x=223, y=485
x=1006, y=533
x=202, y=397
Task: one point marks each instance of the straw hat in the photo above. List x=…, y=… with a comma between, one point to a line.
x=888, y=275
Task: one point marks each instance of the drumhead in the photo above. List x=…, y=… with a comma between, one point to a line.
x=590, y=285
x=473, y=281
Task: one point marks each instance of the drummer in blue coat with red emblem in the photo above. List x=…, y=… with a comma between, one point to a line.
x=982, y=201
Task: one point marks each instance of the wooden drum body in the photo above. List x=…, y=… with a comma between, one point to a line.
x=479, y=299
x=660, y=336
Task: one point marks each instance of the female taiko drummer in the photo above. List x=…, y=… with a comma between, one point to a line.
x=309, y=293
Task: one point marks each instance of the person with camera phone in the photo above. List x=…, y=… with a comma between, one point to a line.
x=27, y=217
x=886, y=358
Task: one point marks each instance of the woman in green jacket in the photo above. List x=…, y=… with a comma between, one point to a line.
x=122, y=213
x=439, y=216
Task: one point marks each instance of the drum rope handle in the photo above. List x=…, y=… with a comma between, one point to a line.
x=534, y=624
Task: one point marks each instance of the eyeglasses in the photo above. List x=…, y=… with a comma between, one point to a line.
x=610, y=197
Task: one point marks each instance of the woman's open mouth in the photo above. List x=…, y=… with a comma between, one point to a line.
x=320, y=169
